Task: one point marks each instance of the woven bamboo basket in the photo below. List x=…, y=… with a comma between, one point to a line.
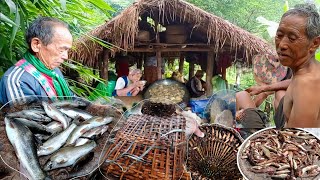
x=148, y=147
x=215, y=155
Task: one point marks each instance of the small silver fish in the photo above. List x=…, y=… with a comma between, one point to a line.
x=55, y=126
x=22, y=140
x=73, y=113
x=71, y=103
x=67, y=156
x=31, y=115
x=86, y=126
x=34, y=126
x=98, y=131
x=54, y=143
x=55, y=114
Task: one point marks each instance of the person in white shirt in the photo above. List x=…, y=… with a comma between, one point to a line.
x=129, y=85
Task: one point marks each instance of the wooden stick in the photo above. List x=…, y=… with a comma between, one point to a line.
x=209, y=72
x=181, y=62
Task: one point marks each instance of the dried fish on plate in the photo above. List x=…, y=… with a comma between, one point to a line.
x=280, y=154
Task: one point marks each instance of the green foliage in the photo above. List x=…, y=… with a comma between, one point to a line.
x=119, y=5
x=244, y=13
x=82, y=86
x=246, y=78
x=171, y=67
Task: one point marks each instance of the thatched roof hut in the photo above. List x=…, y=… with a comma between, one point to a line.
x=205, y=33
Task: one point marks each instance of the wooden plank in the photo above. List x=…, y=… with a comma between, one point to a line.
x=154, y=49
x=209, y=72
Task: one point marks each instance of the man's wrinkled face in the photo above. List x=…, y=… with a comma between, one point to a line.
x=292, y=43
x=53, y=54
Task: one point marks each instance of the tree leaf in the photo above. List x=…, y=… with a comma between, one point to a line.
x=6, y=19
x=63, y=4
x=12, y=6
x=2, y=42
x=35, y=1
x=286, y=6
x=15, y=28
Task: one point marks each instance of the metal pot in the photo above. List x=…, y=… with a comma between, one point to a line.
x=168, y=82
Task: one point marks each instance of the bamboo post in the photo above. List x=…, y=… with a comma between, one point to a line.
x=100, y=66
x=140, y=61
x=159, y=63
x=191, y=70
x=209, y=72
x=181, y=62
x=158, y=52
x=105, y=65
x=224, y=75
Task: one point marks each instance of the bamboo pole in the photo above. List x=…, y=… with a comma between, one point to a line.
x=158, y=53
x=209, y=72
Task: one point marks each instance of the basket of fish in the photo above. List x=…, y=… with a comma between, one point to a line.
x=57, y=140
x=280, y=154
x=147, y=147
x=214, y=156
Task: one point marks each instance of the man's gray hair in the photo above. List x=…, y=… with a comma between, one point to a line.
x=135, y=71
x=42, y=28
x=313, y=19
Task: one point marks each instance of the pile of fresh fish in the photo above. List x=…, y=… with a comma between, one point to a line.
x=61, y=130
x=283, y=154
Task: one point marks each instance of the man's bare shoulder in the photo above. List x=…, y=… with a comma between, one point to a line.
x=308, y=82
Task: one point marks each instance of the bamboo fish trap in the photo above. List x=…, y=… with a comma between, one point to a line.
x=148, y=147
x=215, y=155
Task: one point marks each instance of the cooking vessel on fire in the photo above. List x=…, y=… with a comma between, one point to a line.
x=168, y=82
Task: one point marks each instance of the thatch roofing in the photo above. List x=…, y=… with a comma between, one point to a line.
x=122, y=30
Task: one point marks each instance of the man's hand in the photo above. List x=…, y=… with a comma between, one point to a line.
x=192, y=125
x=255, y=90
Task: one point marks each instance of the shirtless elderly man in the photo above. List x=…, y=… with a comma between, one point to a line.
x=297, y=40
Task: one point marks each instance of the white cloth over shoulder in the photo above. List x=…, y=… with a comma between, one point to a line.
x=120, y=84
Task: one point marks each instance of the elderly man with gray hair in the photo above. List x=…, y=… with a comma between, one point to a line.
x=297, y=39
x=129, y=85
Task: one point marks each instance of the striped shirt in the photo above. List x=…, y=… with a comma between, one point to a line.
x=18, y=86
